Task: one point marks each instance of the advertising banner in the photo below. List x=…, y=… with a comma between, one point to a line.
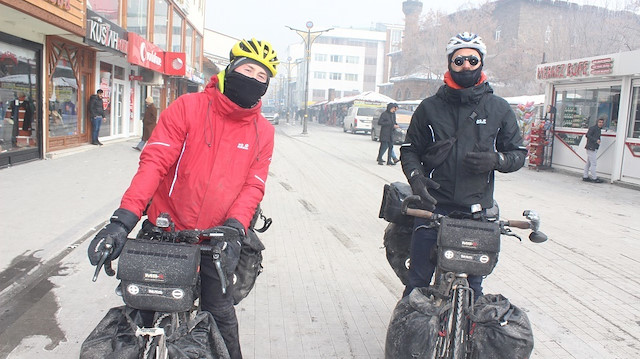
x=175, y=63
x=145, y=53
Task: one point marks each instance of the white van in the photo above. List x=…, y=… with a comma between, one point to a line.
x=359, y=118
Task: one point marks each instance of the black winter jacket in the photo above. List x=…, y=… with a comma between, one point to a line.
x=387, y=121
x=593, y=135
x=494, y=129
x=95, y=106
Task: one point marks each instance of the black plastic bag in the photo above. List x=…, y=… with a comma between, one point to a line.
x=500, y=330
x=249, y=266
x=391, y=206
x=413, y=329
x=115, y=338
x=397, y=244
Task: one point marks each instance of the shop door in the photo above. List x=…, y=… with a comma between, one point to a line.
x=118, y=126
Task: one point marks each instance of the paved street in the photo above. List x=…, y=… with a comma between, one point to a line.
x=327, y=290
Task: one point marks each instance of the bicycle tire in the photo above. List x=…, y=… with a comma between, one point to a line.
x=460, y=327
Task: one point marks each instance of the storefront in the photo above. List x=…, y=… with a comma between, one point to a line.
x=34, y=66
x=115, y=77
x=582, y=91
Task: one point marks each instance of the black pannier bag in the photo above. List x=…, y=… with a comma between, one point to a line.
x=115, y=337
x=500, y=330
x=466, y=246
x=391, y=206
x=249, y=266
x=413, y=329
x=397, y=244
x=159, y=276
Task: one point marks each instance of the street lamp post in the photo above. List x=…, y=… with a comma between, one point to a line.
x=308, y=37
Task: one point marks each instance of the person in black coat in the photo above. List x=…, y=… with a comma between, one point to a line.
x=96, y=115
x=593, y=143
x=387, y=124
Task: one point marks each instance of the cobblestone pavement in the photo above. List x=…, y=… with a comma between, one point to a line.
x=327, y=290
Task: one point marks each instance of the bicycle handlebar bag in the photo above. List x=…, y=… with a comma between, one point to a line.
x=159, y=276
x=468, y=246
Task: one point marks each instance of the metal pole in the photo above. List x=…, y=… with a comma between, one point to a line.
x=306, y=83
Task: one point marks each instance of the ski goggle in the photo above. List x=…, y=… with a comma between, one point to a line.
x=459, y=60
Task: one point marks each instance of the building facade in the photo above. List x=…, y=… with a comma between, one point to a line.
x=55, y=55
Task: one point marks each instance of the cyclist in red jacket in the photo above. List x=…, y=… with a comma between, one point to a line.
x=206, y=164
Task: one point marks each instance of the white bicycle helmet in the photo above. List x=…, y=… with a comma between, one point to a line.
x=466, y=40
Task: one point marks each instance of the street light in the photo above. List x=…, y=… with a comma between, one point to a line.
x=308, y=37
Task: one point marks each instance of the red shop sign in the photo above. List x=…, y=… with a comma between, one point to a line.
x=174, y=63
x=144, y=53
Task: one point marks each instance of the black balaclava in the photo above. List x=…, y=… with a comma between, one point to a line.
x=244, y=91
x=466, y=78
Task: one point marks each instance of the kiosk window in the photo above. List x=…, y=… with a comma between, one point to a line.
x=634, y=123
x=581, y=108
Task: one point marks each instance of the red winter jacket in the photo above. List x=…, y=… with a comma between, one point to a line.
x=206, y=161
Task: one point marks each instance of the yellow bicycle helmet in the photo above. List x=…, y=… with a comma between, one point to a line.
x=260, y=51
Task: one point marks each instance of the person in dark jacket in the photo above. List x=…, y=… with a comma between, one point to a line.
x=96, y=114
x=593, y=143
x=488, y=139
x=148, y=122
x=387, y=124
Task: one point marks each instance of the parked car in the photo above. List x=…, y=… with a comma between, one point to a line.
x=271, y=114
x=403, y=118
x=359, y=118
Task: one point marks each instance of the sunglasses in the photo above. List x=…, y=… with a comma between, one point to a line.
x=459, y=60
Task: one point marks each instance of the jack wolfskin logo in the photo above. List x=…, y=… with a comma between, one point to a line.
x=243, y=146
x=481, y=121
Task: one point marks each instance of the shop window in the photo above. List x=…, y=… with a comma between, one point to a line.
x=106, y=85
x=188, y=41
x=581, y=108
x=118, y=73
x=160, y=24
x=634, y=123
x=198, y=53
x=63, y=100
x=137, y=17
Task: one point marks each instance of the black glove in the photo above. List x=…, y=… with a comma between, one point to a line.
x=122, y=222
x=420, y=185
x=234, y=223
x=480, y=162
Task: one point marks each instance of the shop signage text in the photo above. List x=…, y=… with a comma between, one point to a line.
x=104, y=33
x=577, y=69
x=145, y=53
x=64, y=4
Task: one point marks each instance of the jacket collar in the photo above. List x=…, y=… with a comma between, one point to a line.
x=464, y=95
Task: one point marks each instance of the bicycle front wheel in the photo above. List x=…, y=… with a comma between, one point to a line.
x=461, y=324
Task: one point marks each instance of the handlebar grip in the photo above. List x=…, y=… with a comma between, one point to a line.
x=422, y=213
x=519, y=224
x=537, y=237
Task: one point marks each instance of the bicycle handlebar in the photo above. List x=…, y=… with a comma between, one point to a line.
x=532, y=222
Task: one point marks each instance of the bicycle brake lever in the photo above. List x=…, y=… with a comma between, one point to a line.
x=216, y=261
x=106, y=252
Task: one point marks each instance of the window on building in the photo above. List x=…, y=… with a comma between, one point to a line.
x=369, y=78
x=497, y=34
x=320, y=57
x=318, y=94
x=634, y=122
x=176, y=32
x=353, y=60
x=110, y=10
x=351, y=77
x=137, y=17
x=581, y=108
x=198, y=53
x=336, y=58
x=160, y=24
x=547, y=34
x=335, y=76
x=370, y=61
x=399, y=93
x=319, y=75
x=407, y=94
x=188, y=45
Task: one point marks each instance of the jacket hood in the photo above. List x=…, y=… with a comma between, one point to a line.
x=227, y=107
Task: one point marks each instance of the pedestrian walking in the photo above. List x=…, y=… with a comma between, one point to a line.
x=593, y=143
x=206, y=165
x=96, y=114
x=148, y=122
x=388, y=124
x=483, y=135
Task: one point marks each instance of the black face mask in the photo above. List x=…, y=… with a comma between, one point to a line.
x=244, y=91
x=466, y=78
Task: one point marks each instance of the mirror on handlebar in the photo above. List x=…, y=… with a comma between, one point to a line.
x=534, y=219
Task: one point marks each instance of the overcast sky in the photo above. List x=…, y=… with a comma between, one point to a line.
x=266, y=20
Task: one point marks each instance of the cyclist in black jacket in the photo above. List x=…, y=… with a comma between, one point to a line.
x=487, y=139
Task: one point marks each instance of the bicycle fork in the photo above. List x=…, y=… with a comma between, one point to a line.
x=452, y=341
